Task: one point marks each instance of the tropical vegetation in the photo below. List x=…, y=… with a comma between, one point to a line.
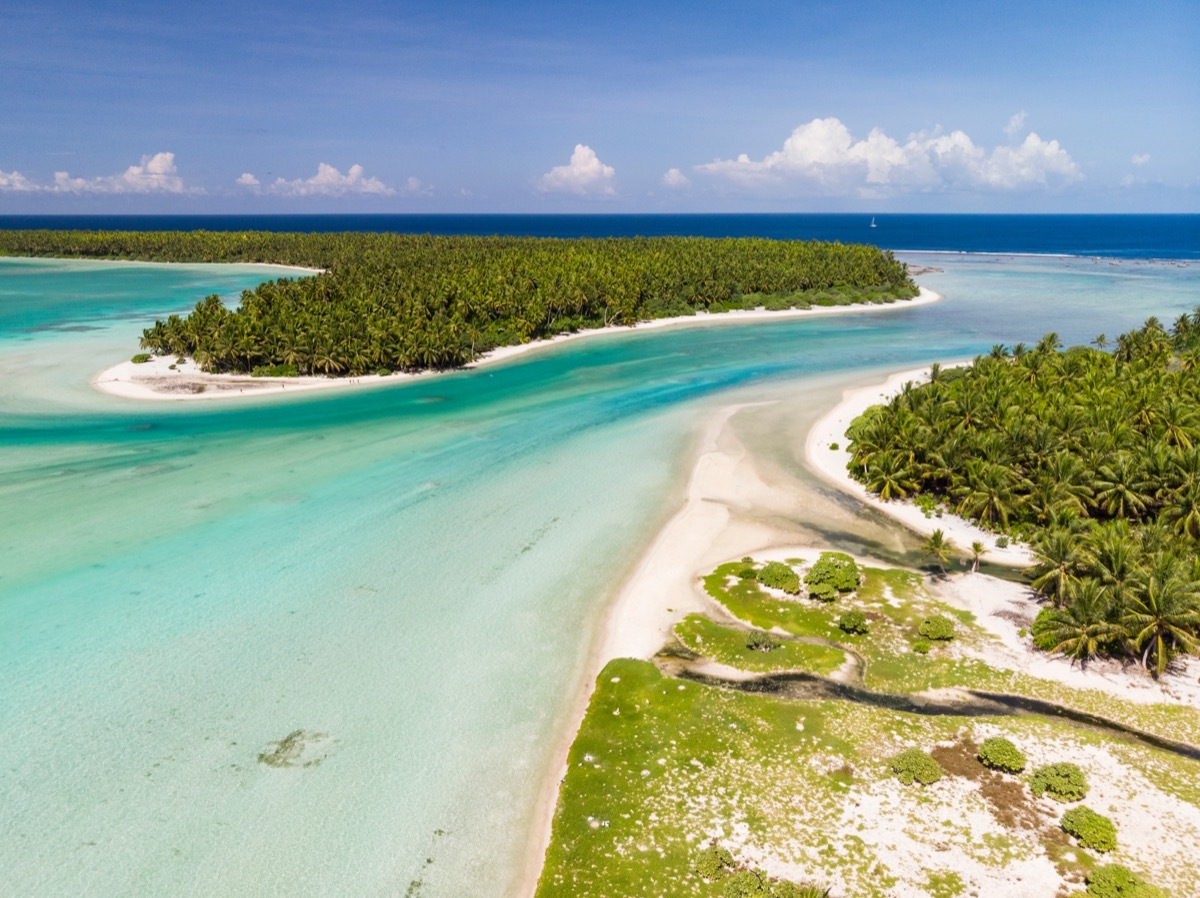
x=394, y=302
x=1091, y=456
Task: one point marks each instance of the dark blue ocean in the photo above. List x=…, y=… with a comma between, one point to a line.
x=1113, y=236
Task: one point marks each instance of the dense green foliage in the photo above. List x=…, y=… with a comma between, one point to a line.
x=713, y=862
x=1094, y=831
x=999, y=753
x=833, y=573
x=407, y=302
x=937, y=626
x=912, y=764
x=1063, y=782
x=853, y=621
x=778, y=575
x=1115, y=881
x=1092, y=456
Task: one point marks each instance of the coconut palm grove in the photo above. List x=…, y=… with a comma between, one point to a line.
x=396, y=302
x=1093, y=456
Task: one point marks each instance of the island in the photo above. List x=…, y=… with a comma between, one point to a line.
x=376, y=305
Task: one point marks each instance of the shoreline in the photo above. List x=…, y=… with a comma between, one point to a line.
x=155, y=381
x=831, y=464
x=707, y=530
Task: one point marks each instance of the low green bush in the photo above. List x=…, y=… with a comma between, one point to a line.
x=141, y=358
x=1000, y=754
x=745, y=884
x=758, y=641
x=853, y=622
x=833, y=447
x=1063, y=782
x=713, y=863
x=1115, y=881
x=778, y=575
x=914, y=764
x=748, y=573
x=834, y=573
x=1045, y=630
x=922, y=646
x=1001, y=542
x=1094, y=831
x=937, y=627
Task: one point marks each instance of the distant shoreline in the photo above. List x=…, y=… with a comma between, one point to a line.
x=157, y=381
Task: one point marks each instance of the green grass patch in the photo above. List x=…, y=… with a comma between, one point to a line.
x=730, y=646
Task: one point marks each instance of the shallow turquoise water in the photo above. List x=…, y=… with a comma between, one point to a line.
x=414, y=572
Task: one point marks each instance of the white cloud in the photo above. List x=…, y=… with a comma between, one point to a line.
x=823, y=155
x=16, y=182
x=155, y=174
x=415, y=187
x=585, y=174
x=1015, y=124
x=328, y=181
x=1140, y=158
x=676, y=179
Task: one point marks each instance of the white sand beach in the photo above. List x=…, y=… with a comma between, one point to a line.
x=158, y=380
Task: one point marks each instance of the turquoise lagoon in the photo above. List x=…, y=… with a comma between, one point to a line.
x=410, y=576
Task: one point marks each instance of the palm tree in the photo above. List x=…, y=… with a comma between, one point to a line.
x=938, y=547
x=1081, y=629
x=1163, y=619
x=978, y=550
x=1060, y=560
x=888, y=476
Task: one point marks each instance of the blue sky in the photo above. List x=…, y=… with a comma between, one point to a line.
x=599, y=107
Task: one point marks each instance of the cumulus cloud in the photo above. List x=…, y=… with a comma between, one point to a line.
x=327, y=182
x=16, y=182
x=824, y=155
x=1140, y=158
x=676, y=179
x=155, y=174
x=584, y=174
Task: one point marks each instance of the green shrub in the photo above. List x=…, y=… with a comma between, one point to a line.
x=833, y=447
x=921, y=646
x=713, y=863
x=758, y=641
x=141, y=358
x=1093, y=830
x=853, y=622
x=748, y=573
x=834, y=573
x=914, y=764
x=778, y=575
x=937, y=627
x=1045, y=629
x=1062, y=781
x=745, y=884
x=1000, y=754
x=1001, y=542
x=1115, y=881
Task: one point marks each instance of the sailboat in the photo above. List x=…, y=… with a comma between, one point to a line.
x=872, y=221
